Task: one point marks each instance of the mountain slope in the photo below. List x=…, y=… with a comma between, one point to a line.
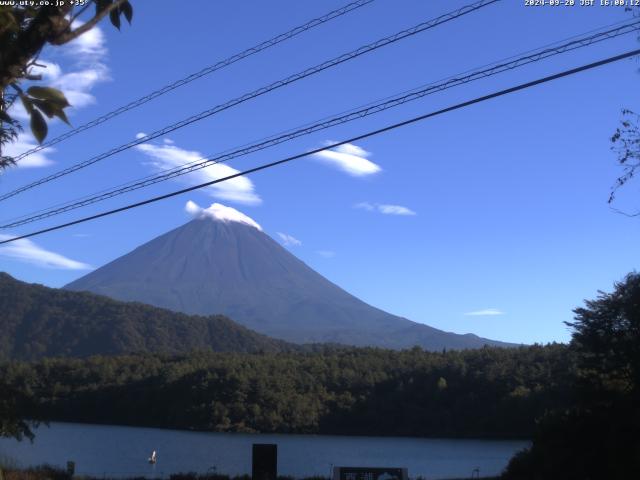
x=222, y=262
x=37, y=322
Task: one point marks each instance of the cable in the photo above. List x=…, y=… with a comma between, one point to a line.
x=370, y=109
x=261, y=91
x=201, y=73
x=363, y=136
x=325, y=123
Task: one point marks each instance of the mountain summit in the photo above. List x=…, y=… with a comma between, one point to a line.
x=222, y=262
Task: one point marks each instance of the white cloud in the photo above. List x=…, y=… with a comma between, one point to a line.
x=485, y=312
x=326, y=253
x=385, y=209
x=350, y=158
x=78, y=85
x=24, y=143
x=27, y=251
x=220, y=212
x=83, y=69
x=87, y=68
x=288, y=240
x=238, y=189
x=395, y=210
x=89, y=45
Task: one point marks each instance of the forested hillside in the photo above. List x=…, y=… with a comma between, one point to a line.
x=486, y=392
x=37, y=322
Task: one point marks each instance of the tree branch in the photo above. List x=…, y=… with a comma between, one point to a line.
x=626, y=214
x=70, y=35
x=81, y=11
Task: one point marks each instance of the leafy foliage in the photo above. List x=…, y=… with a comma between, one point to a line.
x=598, y=436
x=626, y=143
x=606, y=337
x=11, y=422
x=24, y=31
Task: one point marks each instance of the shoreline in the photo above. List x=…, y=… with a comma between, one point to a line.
x=45, y=423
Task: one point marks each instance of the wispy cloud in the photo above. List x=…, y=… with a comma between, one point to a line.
x=88, y=53
x=485, y=312
x=385, y=209
x=326, y=253
x=349, y=158
x=395, y=210
x=29, y=252
x=167, y=155
x=288, y=240
x=89, y=45
x=84, y=68
x=22, y=144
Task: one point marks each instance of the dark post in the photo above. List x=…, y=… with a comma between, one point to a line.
x=71, y=468
x=264, y=461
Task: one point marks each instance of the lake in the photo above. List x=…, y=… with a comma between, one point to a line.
x=117, y=451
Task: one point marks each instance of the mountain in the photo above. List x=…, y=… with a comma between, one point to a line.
x=37, y=322
x=223, y=262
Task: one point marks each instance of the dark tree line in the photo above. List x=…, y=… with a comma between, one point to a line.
x=489, y=392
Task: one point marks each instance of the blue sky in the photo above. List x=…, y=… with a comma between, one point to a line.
x=499, y=209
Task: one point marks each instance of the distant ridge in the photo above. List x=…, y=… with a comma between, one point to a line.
x=223, y=262
x=38, y=322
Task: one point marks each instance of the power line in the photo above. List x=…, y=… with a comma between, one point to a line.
x=261, y=91
x=363, y=136
x=373, y=108
x=201, y=73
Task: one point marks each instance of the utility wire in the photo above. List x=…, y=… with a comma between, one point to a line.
x=522, y=86
x=390, y=102
x=201, y=73
x=261, y=91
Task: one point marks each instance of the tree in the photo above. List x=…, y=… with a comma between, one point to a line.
x=11, y=425
x=626, y=143
x=24, y=31
x=599, y=436
x=606, y=337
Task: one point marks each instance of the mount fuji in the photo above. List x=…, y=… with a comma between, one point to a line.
x=222, y=262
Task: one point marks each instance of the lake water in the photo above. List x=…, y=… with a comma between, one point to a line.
x=117, y=451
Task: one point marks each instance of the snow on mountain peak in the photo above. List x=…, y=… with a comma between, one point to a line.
x=220, y=212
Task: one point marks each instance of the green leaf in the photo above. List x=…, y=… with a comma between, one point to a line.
x=127, y=9
x=4, y=116
x=114, y=15
x=38, y=125
x=51, y=110
x=26, y=101
x=62, y=116
x=47, y=108
x=47, y=93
